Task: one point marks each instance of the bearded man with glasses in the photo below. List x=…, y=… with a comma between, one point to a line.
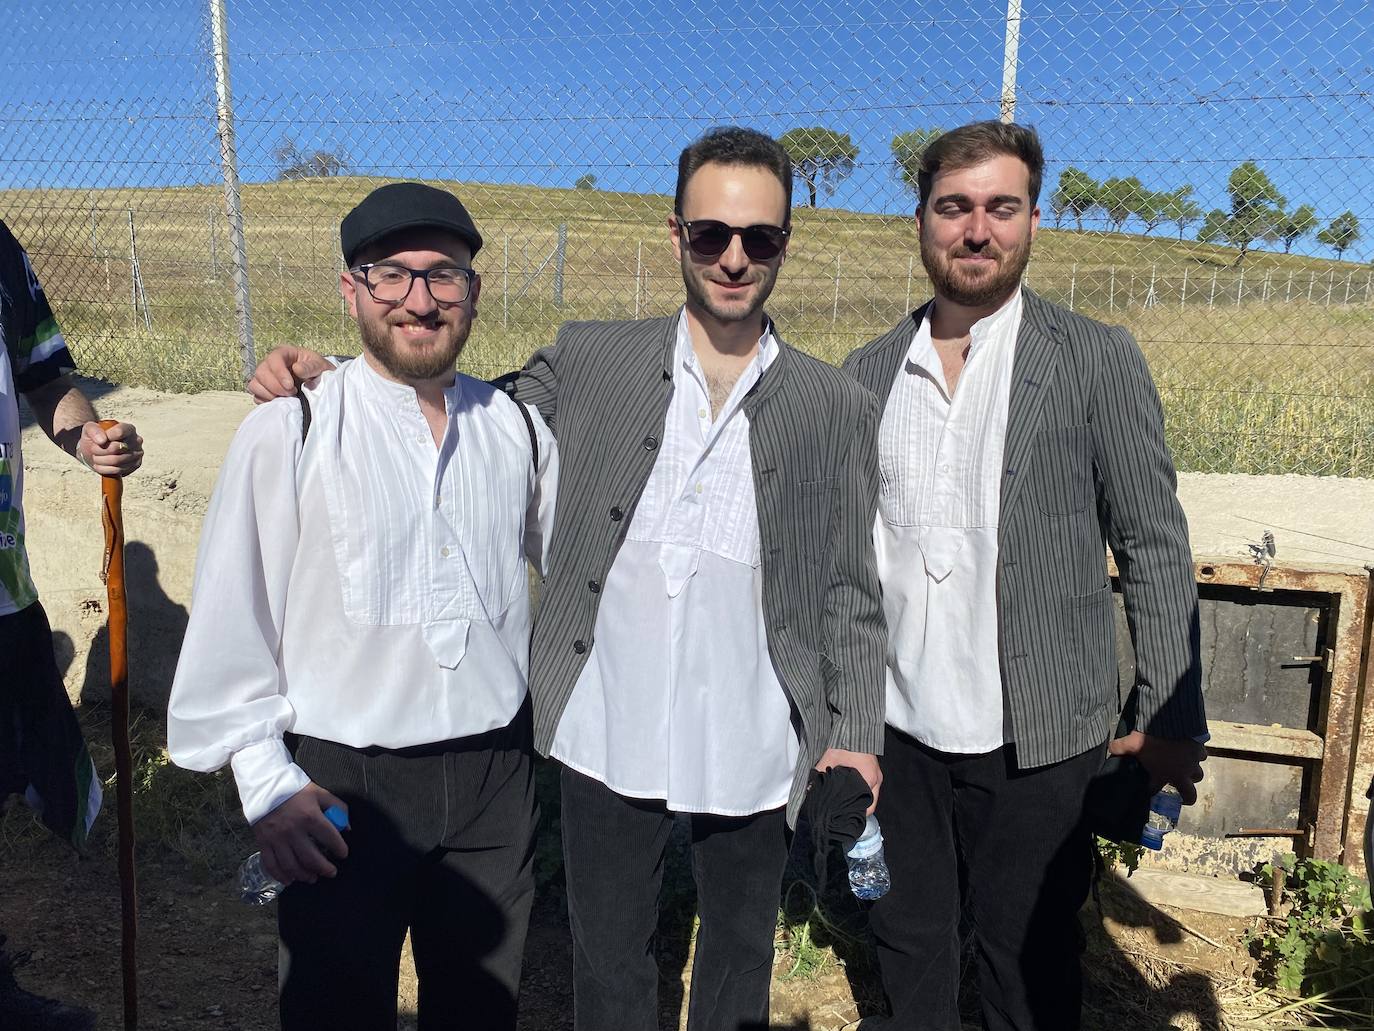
x=711, y=629
x=359, y=638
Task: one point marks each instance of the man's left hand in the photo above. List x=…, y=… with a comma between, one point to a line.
x=1176, y=761
x=117, y=451
x=865, y=763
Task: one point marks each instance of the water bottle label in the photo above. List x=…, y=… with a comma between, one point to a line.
x=1167, y=805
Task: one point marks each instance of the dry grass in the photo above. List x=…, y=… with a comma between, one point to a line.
x=1265, y=369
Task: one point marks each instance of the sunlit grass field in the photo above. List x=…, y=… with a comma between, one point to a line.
x=1264, y=369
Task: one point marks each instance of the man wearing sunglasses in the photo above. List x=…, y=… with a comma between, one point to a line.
x=359, y=638
x=711, y=630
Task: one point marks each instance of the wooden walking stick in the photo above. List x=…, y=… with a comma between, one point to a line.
x=112, y=572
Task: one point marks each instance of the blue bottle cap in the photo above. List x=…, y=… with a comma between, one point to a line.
x=337, y=817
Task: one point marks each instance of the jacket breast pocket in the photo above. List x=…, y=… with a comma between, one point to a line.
x=1061, y=470
x=811, y=510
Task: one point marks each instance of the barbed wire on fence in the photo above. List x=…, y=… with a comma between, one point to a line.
x=560, y=130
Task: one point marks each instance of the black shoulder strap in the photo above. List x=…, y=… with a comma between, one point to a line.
x=506, y=383
x=305, y=414
x=534, y=437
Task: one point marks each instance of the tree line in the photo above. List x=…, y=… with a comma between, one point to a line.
x=823, y=158
x=1257, y=211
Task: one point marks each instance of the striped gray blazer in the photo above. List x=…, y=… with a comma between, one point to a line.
x=1085, y=466
x=604, y=388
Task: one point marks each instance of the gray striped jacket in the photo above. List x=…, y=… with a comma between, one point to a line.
x=1085, y=465
x=604, y=388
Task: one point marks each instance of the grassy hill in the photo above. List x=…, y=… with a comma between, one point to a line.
x=1265, y=368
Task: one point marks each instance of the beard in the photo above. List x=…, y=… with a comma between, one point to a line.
x=741, y=310
x=975, y=290
x=409, y=365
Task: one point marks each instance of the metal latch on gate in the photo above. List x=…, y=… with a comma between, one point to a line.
x=1326, y=658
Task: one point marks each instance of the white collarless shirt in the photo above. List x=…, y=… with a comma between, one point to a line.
x=369, y=589
x=936, y=537
x=679, y=699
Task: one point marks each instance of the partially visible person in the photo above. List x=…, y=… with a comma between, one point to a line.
x=42, y=753
x=359, y=637
x=1018, y=441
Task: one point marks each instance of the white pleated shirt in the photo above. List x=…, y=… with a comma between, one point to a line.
x=370, y=589
x=679, y=699
x=936, y=537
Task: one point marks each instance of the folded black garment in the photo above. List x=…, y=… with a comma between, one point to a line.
x=837, y=802
x=1118, y=801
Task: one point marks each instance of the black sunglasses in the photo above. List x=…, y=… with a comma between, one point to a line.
x=708, y=238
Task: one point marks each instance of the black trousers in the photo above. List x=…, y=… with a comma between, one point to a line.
x=42, y=753
x=1009, y=848
x=613, y=850
x=440, y=843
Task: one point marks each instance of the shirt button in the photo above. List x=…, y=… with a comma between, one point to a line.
x=650, y=443
x=699, y=488
x=444, y=552
x=594, y=586
x=701, y=413
x=420, y=438
x=580, y=646
x=616, y=514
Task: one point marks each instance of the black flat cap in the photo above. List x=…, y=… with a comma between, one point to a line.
x=405, y=206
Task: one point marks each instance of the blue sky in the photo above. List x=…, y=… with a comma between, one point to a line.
x=1172, y=92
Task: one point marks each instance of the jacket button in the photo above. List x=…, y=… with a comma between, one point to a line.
x=594, y=586
x=616, y=514
x=580, y=646
x=650, y=443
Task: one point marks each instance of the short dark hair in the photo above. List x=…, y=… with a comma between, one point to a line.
x=977, y=142
x=733, y=145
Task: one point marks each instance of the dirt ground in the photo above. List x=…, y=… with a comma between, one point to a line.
x=207, y=961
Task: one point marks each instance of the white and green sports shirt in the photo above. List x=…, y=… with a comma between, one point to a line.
x=35, y=354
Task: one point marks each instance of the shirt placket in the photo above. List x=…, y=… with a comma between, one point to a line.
x=447, y=582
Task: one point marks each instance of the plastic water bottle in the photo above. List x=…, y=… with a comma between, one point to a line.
x=868, y=875
x=1165, y=808
x=257, y=887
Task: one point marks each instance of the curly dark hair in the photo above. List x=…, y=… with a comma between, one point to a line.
x=734, y=145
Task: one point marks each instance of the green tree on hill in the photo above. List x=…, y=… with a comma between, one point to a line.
x=1341, y=233
x=1289, y=226
x=585, y=182
x=907, y=150
x=1255, y=208
x=1120, y=199
x=1076, y=194
x=821, y=158
x=293, y=163
x=1178, y=207
x=1150, y=209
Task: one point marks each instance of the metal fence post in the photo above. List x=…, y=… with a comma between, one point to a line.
x=1009, y=48
x=835, y=309
x=639, y=274
x=562, y=253
x=233, y=205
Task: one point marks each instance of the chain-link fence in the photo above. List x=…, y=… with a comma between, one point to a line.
x=1210, y=165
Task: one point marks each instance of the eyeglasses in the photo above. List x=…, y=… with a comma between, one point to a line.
x=391, y=284
x=709, y=239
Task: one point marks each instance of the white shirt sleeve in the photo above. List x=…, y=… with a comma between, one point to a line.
x=539, y=515
x=227, y=703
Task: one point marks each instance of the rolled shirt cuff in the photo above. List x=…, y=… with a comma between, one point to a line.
x=266, y=776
